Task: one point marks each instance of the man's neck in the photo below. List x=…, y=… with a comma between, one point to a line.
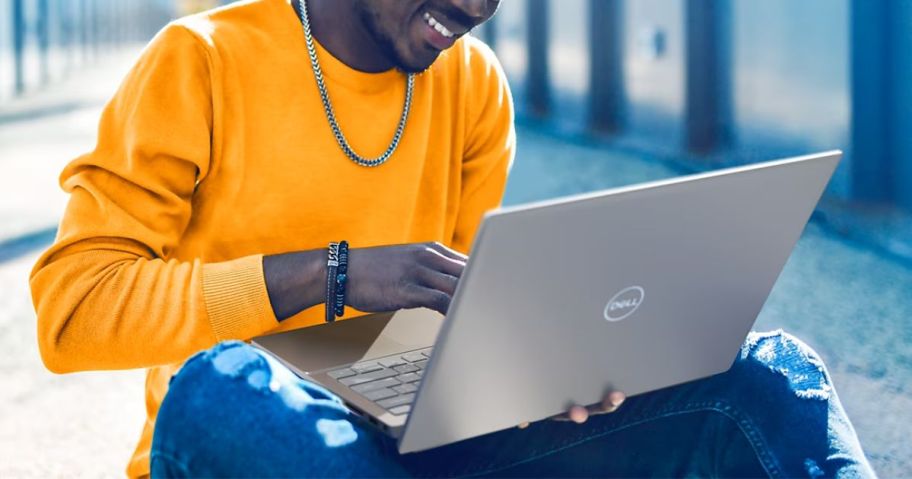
x=336, y=25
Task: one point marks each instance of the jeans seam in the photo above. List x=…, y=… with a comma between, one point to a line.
x=752, y=433
x=743, y=423
x=153, y=455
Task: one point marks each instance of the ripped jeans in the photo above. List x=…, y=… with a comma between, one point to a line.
x=235, y=411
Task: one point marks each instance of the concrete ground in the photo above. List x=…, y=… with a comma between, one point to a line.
x=848, y=301
x=76, y=425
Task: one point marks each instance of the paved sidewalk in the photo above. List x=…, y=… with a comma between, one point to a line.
x=77, y=425
x=74, y=425
x=848, y=301
x=41, y=133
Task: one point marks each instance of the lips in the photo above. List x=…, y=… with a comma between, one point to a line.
x=437, y=34
x=437, y=25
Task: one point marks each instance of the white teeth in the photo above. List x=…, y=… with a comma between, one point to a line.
x=437, y=25
x=443, y=31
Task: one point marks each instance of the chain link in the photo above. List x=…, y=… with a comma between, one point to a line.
x=328, y=108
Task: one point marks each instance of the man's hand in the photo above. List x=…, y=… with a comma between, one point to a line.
x=380, y=279
x=579, y=414
x=389, y=278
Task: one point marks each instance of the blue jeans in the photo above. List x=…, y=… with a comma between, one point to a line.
x=235, y=411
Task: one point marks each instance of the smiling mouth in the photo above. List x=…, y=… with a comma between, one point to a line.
x=436, y=25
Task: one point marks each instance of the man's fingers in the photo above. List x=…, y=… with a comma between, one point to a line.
x=449, y=252
x=449, y=265
x=437, y=280
x=614, y=400
x=523, y=425
x=610, y=403
x=578, y=414
x=430, y=298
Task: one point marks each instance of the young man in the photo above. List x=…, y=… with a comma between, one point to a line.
x=248, y=138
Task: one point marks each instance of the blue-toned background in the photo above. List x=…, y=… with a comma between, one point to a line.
x=608, y=93
x=705, y=83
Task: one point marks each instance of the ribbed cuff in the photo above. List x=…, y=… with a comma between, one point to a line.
x=236, y=298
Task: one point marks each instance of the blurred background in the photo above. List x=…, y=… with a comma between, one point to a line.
x=608, y=93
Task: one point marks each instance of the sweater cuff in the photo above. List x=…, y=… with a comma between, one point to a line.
x=236, y=298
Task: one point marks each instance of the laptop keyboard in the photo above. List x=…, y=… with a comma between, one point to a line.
x=389, y=382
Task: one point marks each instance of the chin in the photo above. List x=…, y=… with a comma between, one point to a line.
x=418, y=60
x=412, y=68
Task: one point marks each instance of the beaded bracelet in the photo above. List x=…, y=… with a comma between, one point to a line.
x=341, y=279
x=332, y=263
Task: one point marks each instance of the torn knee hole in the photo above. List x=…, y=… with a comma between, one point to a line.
x=784, y=354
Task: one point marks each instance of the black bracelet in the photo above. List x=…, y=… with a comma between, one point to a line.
x=341, y=279
x=332, y=263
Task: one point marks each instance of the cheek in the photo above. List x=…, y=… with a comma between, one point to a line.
x=413, y=41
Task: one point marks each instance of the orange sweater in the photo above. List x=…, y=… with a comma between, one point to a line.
x=215, y=151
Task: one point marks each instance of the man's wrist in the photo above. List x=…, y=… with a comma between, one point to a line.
x=295, y=281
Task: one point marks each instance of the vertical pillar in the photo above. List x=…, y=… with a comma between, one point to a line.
x=44, y=39
x=606, y=58
x=539, y=94
x=93, y=21
x=708, y=76
x=69, y=19
x=870, y=83
x=98, y=17
x=84, y=27
x=130, y=23
x=900, y=119
x=19, y=45
x=121, y=23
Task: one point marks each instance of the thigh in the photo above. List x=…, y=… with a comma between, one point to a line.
x=665, y=444
x=774, y=412
x=235, y=411
x=658, y=434
x=689, y=444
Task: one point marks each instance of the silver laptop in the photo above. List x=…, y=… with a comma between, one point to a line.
x=631, y=289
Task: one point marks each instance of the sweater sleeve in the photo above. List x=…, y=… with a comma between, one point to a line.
x=490, y=145
x=107, y=294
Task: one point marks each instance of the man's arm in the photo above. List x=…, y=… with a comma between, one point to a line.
x=490, y=143
x=105, y=296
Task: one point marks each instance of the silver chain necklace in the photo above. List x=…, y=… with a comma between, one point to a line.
x=331, y=116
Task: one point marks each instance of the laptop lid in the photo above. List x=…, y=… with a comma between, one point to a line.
x=632, y=289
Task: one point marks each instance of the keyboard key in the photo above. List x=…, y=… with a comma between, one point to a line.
x=412, y=357
x=420, y=364
x=379, y=384
x=342, y=373
x=405, y=368
x=396, y=401
x=368, y=377
x=427, y=353
x=400, y=410
x=366, y=367
x=378, y=394
x=405, y=388
x=408, y=377
x=391, y=362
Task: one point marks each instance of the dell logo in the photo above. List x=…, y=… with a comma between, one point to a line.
x=624, y=303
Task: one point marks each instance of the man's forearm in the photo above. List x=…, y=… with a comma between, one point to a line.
x=295, y=281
